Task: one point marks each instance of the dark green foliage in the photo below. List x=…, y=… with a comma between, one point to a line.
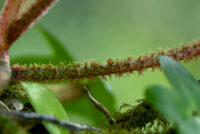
x=8, y=126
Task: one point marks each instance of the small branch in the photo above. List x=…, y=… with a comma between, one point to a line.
x=100, y=106
x=47, y=118
x=44, y=73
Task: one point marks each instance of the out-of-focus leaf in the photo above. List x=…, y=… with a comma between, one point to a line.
x=103, y=93
x=189, y=126
x=171, y=104
x=168, y=102
x=44, y=102
x=30, y=60
x=180, y=104
x=59, y=50
x=181, y=80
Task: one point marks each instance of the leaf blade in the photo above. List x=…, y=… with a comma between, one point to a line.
x=44, y=102
x=170, y=103
x=60, y=52
x=181, y=80
x=162, y=97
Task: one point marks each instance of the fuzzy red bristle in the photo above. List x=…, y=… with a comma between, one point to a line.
x=95, y=69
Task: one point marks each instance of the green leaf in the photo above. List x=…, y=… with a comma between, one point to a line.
x=180, y=104
x=59, y=50
x=181, y=80
x=171, y=104
x=168, y=102
x=44, y=102
x=102, y=92
x=189, y=126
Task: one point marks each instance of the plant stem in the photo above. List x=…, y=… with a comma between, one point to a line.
x=42, y=73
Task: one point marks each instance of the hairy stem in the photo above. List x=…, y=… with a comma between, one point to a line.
x=43, y=73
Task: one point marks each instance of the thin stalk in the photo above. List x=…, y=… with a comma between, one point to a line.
x=42, y=73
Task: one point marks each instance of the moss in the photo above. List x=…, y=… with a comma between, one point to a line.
x=14, y=90
x=138, y=116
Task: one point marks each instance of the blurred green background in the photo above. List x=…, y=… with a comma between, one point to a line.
x=102, y=29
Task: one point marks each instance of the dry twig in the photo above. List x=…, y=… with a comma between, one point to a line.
x=100, y=106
